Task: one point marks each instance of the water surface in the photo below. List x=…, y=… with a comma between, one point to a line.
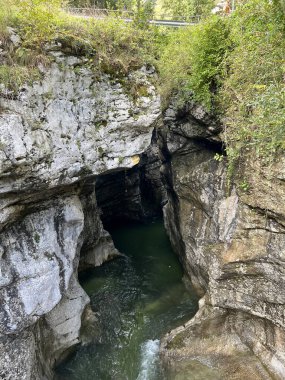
x=137, y=299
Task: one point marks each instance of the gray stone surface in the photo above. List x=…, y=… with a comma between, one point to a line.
x=56, y=136
x=231, y=241
x=61, y=135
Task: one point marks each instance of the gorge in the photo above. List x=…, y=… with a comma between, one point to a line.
x=79, y=152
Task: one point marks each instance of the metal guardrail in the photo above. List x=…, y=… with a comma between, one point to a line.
x=126, y=15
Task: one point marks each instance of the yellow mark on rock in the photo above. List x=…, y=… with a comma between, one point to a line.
x=135, y=160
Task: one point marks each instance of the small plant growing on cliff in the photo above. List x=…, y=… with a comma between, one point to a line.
x=37, y=237
x=244, y=186
x=218, y=157
x=12, y=77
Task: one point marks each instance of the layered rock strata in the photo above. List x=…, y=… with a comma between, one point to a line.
x=75, y=149
x=57, y=137
x=231, y=240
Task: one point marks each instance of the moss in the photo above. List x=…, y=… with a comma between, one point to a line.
x=49, y=256
x=100, y=151
x=49, y=95
x=133, y=114
x=100, y=123
x=177, y=342
x=35, y=125
x=2, y=146
x=37, y=237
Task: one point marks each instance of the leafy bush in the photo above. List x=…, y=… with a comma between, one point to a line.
x=185, y=9
x=38, y=20
x=236, y=67
x=253, y=93
x=193, y=60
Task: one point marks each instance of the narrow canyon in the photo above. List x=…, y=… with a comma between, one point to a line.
x=79, y=153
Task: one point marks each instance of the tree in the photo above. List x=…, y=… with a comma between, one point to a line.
x=184, y=9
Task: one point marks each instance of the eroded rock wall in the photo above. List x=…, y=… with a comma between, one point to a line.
x=231, y=241
x=136, y=194
x=57, y=137
x=72, y=147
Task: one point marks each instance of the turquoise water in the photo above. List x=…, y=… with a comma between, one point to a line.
x=137, y=299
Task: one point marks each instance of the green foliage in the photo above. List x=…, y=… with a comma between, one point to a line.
x=7, y=10
x=37, y=237
x=111, y=45
x=185, y=9
x=21, y=62
x=218, y=157
x=82, y=3
x=38, y=20
x=235, y=66
x=253, y=92
x=193, y=60
x=12, y=77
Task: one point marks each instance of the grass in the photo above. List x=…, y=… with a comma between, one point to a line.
x=13, y=77
x=235, y=67
x=253, y=93
x=111, y=45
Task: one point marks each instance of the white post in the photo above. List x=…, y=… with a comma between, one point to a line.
x=233, y=5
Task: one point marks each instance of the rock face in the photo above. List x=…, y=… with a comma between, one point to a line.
x=57, y=137
x=231, y=240
x=76, y=149
x=136, y=194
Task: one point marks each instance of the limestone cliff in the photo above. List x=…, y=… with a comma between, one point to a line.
x=58, y=136
x=74, y=145
x=231, y=241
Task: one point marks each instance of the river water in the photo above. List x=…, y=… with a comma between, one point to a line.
x=137, y=299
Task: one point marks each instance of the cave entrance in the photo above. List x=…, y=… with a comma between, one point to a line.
x=135, y=194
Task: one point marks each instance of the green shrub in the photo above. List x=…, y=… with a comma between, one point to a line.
x=193, y=60
x=253, y=93
x=37, y=20
x=236, y=67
